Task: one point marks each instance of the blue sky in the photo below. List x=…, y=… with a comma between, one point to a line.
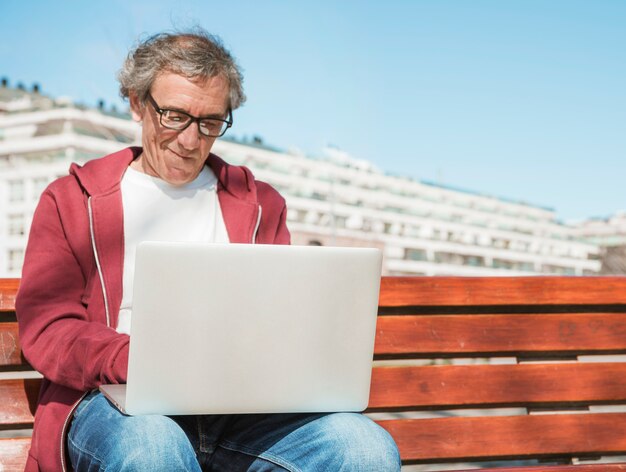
x=523, y=99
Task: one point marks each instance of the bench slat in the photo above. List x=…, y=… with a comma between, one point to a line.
x=505, y=437
x=517, y=334
x=485, y=291
x=466, y=291
x=562, y=468
x=10, y=349
x=8, y=290
x=13, y=454
x=19, y=399
x=450, y=335
x=535, y=385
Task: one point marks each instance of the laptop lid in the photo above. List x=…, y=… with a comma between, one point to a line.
x=220, y=329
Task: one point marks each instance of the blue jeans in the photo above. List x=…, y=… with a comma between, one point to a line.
x=102, y=438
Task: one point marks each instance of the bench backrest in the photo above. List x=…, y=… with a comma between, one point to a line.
x=540, y=371
x=18, y=392
x=530, y=386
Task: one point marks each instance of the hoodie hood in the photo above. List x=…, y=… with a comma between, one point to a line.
x=99, y=176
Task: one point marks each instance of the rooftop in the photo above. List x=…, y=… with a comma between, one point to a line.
x=20, y=99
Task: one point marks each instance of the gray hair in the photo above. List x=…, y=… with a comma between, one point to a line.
x=194, y=54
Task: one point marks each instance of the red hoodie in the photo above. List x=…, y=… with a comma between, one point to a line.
x=71, y=288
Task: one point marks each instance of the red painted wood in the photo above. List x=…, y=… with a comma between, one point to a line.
x=504, y=437
x=19, y=400
x=8, y=290
x=464, y=291
x=13, y=454
x=436, y=335
x=448, y=386
x=561, y=468
x=10, y=349
x=467, y=291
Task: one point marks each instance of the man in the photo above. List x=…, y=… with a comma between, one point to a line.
x=74, y=304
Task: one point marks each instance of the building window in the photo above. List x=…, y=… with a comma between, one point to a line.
x=525, y=266
x=16, y=225
x=449, y=258
x=16, y=190
x=502, y=264
x=39, y=185
x=292, y=215
x=558, y=270
x=415, y=255
x=340, y=221
x=312, y=217
x=16, y=260
x=474, y=261
x=501, y=243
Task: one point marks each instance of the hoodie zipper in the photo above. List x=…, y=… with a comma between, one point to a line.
x=106, y=310
x=95, y=253
x=256, y=228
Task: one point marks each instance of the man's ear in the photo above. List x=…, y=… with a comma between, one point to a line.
x=137, y=108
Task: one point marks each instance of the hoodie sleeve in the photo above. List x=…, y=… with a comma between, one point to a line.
x=273, y=228
x=282, y=235
x=59, y=338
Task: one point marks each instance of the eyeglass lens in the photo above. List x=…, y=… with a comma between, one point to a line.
x=177, y=120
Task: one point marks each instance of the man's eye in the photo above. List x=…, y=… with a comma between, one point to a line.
x=210, y=124
x=172, y=116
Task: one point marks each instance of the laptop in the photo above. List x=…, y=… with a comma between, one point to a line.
x=240, y=328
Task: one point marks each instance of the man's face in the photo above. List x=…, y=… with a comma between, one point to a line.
x=178, y=156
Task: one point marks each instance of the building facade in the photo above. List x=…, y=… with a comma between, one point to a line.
x=610, y=234
x=421, y=227
x=610, y=231
x=39, y=138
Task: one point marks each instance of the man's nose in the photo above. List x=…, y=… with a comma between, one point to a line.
x=189, y=138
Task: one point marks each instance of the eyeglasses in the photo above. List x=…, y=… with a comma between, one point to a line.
x=179, y=120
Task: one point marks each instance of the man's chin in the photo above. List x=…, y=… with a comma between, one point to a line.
x=179, y=177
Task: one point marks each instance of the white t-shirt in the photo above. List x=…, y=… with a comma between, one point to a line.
x=157, y=211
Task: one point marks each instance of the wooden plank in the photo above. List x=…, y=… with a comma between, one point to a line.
x=569, y=384
x=466, y=291
x=19, y=400
x=615, y=467
x=484, y=291
x=8, y=291
x=10, y=349
x=507, y=437
x=448, y=335
x=13, y=454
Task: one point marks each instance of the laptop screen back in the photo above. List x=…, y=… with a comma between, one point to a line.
x=251, y=328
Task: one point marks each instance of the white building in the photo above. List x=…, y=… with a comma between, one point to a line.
x=610, y=234
x=39, y=138
x=607, y=232
x=423, y=228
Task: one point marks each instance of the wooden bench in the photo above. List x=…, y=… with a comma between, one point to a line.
x=520, y=372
